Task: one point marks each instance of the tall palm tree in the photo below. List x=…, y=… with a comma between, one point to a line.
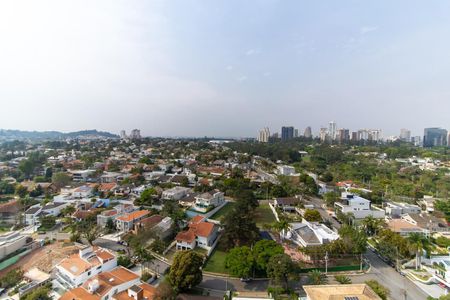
x=371, y=225
x=418, y=243
x=281, y=226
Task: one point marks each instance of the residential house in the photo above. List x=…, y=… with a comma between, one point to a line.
x=84, y=191
x=11, y=242
x=358, y=206
x=188, y=200
x=209, y=200
x=200, y=233
x=74, y=270
x=113, y=214
x=111, y=177
x=397, y=209
x=81, y=175
x=32, y=214
x=126, y=222
x=426, y=222
x=54, y=208
x=117, y=284
x=287, y=203
x=285, y=170
x=403, y=227
x=175, y=193
x=35, y=278
x=339, y=292
x=307, y=234
x=147, y=223
x=9, y=212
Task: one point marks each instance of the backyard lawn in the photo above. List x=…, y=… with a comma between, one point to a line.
x=216, y=262
x=264, y=215
x=220, y=215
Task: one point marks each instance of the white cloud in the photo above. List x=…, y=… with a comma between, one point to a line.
x=229, y=68
x=252, y=52
x=367, y=29
x=242, y=78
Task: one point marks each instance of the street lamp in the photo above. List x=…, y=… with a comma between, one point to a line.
x=326, y=262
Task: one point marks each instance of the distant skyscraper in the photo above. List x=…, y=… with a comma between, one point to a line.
x=264, y=135
x=296, y=133
x=308, y=132
x=405, y=135
x=370, y=135
x=343, y=135
x=354, y=136
x=323, y=134
x=135, y=134
x=332, y=130
x=123, y=134
x=434, y=137
x=287, y=133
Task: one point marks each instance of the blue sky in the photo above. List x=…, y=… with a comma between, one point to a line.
x=224, y=68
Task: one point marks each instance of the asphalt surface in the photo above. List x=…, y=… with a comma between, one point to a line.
x=324, y=213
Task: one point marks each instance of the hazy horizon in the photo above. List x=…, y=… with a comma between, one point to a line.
x=224, y=68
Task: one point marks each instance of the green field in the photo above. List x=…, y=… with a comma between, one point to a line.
x=264, y=215
x=216, y=262
x=220, y=215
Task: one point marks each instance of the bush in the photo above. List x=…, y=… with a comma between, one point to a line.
x=342, y=279
x=379, y=289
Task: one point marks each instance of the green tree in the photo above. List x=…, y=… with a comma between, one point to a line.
x=41, y=293
x=27, y=167
x=165, y=291
x=380, y=290
x=312, y=215
x=47, y=222
x=124, y=261
x=185, y=272
x=60, y=180
x=315, y=277
x=11, y=278
x=342, y=279
x=279, y=268
x=240, y=227
x=240, y=261
x=263, y=250
x=21, y=191
x=330, y=198
x=418, y=243
x=371, y=225
x=146, y=197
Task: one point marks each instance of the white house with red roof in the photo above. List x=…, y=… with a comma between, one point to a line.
x=200, y=234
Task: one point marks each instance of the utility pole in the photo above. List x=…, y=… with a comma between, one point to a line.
x=361, y=263
x=326, y=262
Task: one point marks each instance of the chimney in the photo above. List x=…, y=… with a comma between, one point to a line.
x=93, y=286
x=136, y=292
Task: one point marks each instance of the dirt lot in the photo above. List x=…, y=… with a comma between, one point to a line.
x=44, y=258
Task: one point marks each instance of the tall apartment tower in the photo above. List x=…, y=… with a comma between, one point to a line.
x=323, y=134
x=332, y=130
x=123, y=134
x=405, y=135
x=434, y=137
x=296, y=133
x=264, y=135
x=308, y=132
x=287, y=133
x=135, y=134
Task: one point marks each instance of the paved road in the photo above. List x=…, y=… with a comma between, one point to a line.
x=324, y=213
x=401, y=287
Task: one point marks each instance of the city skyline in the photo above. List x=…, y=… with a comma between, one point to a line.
x=130, y=65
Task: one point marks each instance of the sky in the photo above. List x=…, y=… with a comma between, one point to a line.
x=224, y=67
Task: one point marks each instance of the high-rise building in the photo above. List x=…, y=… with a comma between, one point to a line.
x=308, y=132
x=405, y=135
x=264, y=135
x=323, y=134
x=332, y=130
x=343, y=135
x=370, y=135
x=123, y=134
x=354, y=136
x=416, y=140
x=434, y=137
x=296, y=133
x=287, y=133
x=135, y=134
